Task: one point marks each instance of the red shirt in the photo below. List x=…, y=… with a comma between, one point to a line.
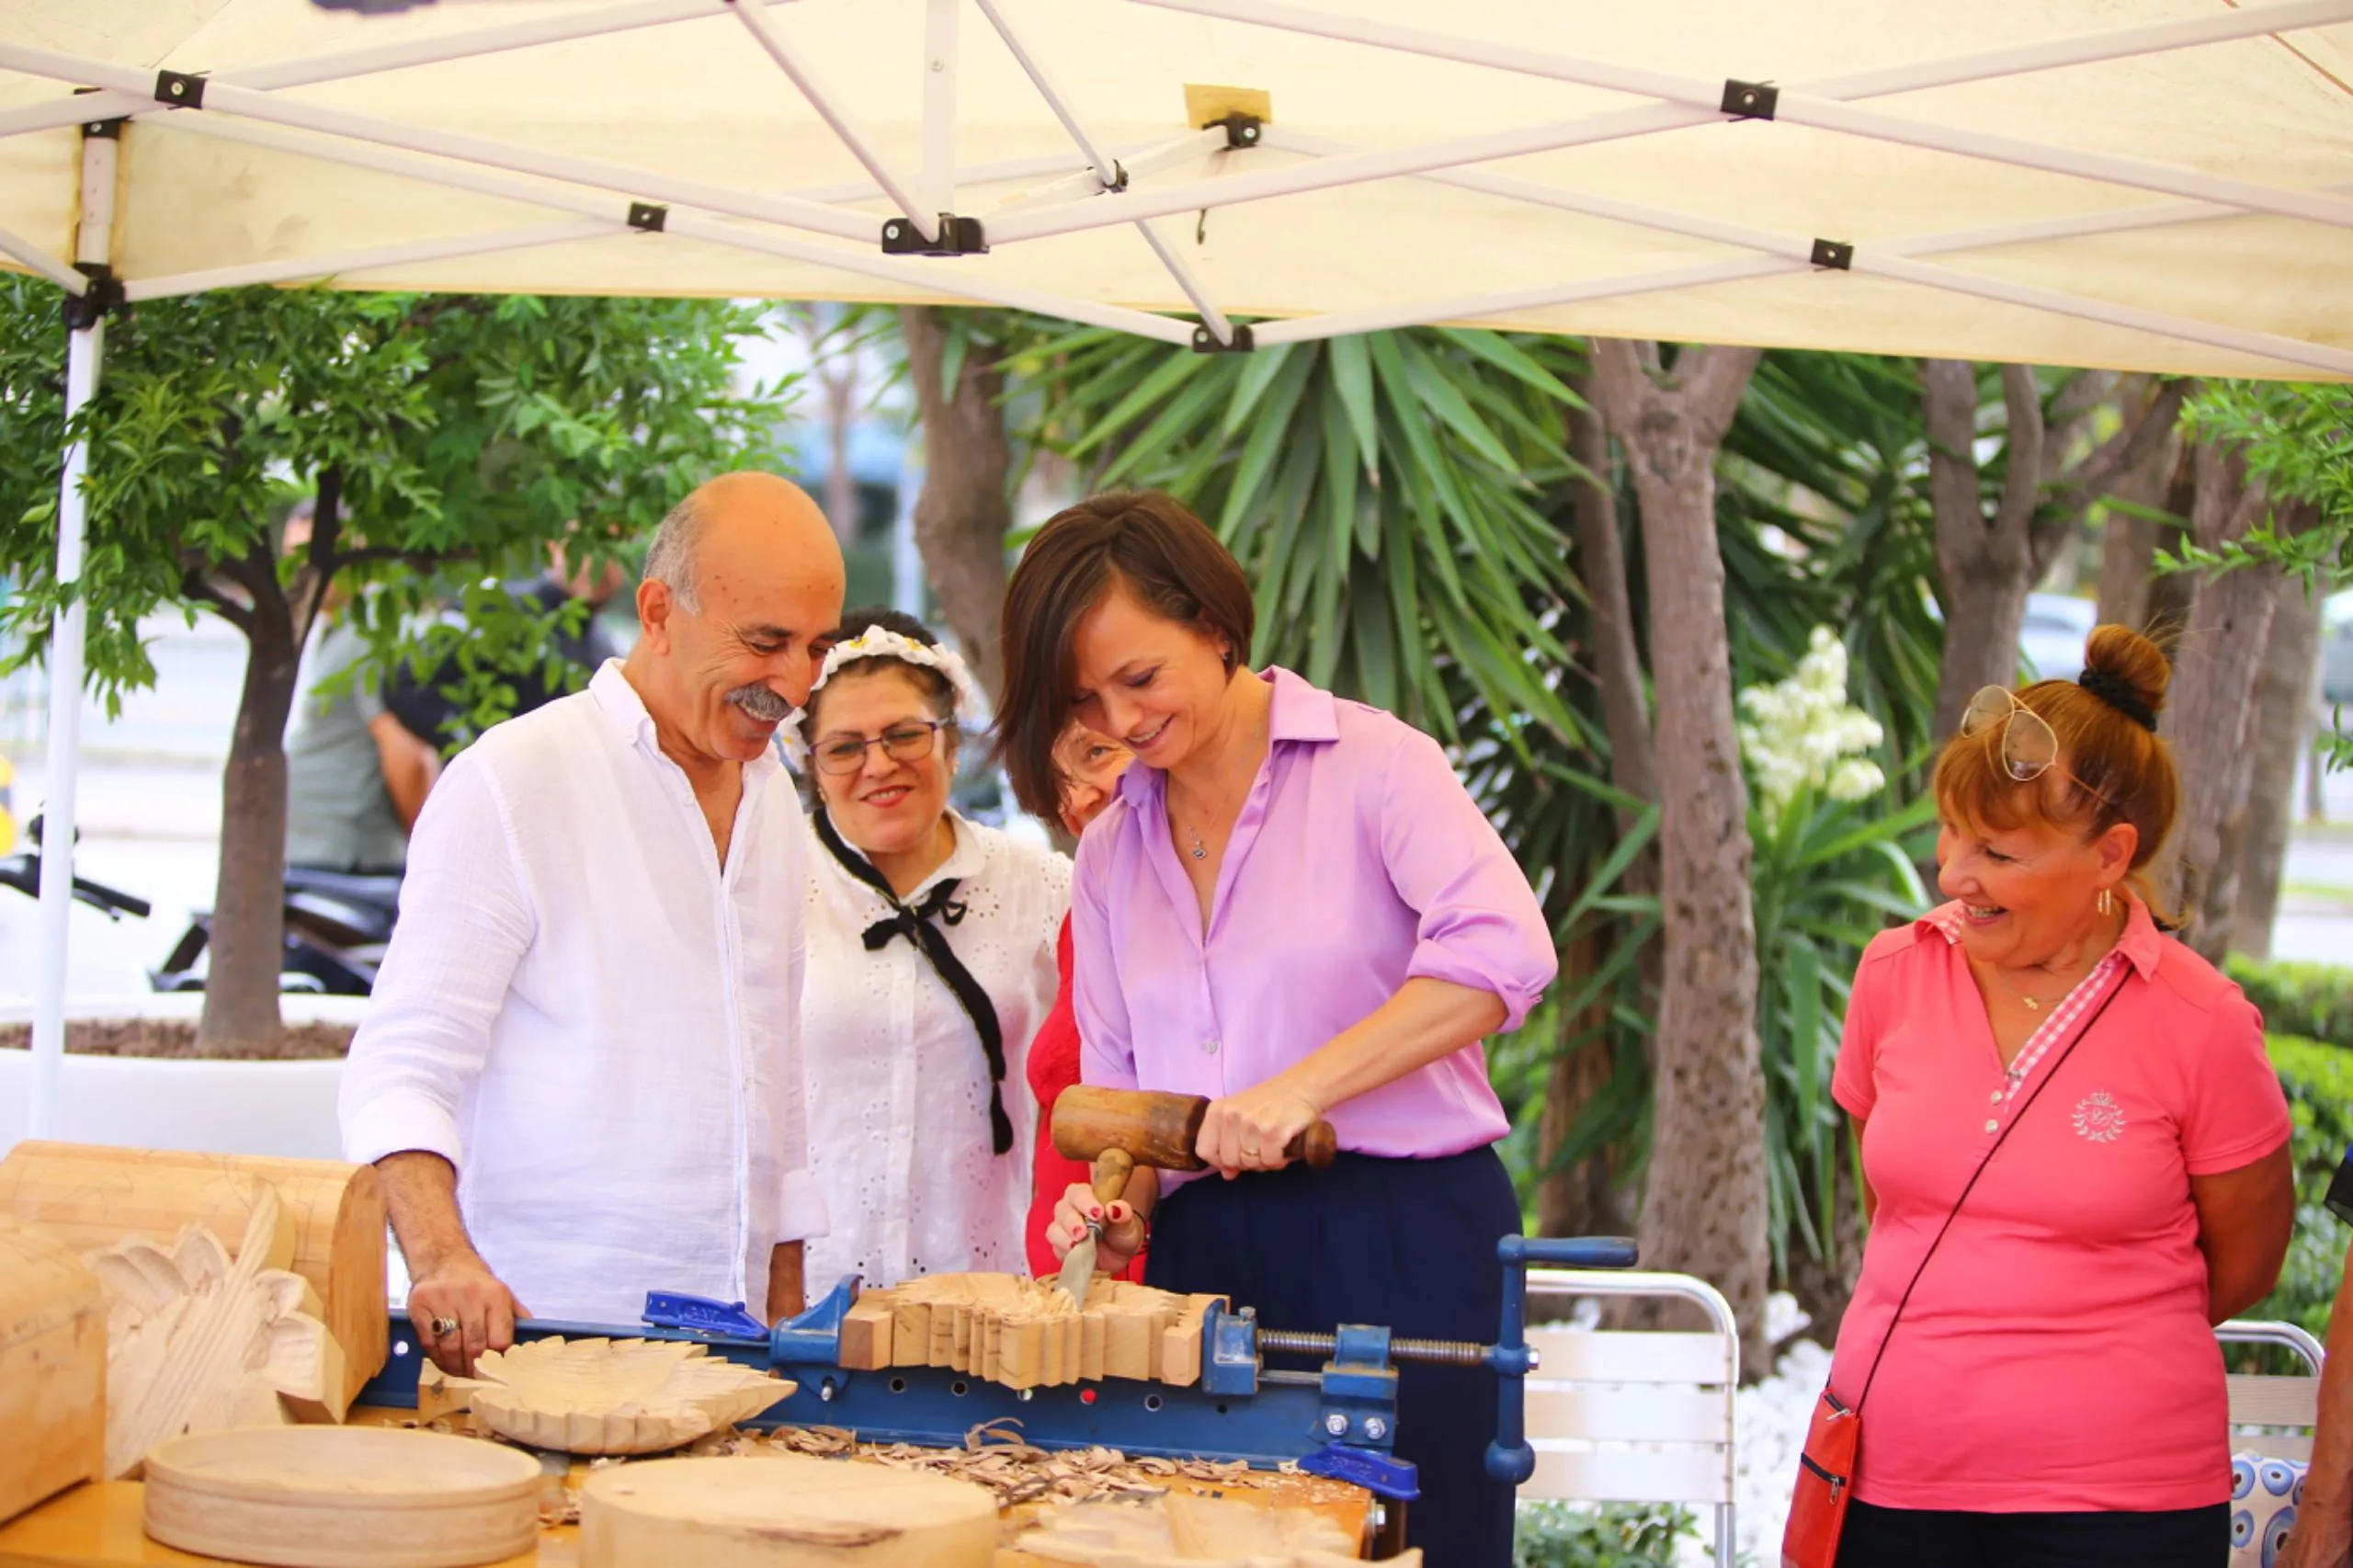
x=1053, y=1067
x=2056, y=1354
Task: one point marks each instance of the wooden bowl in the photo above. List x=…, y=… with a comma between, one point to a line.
x=343, y=1497
x=763, y=1511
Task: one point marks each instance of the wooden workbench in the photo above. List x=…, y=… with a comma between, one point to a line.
x=97, y=1524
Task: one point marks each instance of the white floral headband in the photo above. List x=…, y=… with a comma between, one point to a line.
x=882, y=642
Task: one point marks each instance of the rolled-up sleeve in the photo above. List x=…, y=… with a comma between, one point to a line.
x=464, y=926
x=1479, y=923
x=1106, y=1044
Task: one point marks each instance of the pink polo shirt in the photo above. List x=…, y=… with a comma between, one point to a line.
x=2056, y=1354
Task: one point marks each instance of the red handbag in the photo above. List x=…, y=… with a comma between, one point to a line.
x=1835, y=1437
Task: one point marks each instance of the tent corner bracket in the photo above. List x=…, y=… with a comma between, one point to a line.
x=958, y=236
x=103, y=298
x=650, y=217
x=1241, y=130
x=181, y=89
x=1205, y=341
x=1833, y=256
x=1750, y=101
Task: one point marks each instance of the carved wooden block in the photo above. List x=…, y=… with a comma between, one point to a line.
x=350, y=1498
x=93, y=1197
x=609, y=1396
x=52, y=1369
x=782, y=1512
x=1184, y=1529
x=196, y=1342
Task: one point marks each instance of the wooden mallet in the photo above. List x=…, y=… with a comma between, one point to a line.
x=1121, y=1129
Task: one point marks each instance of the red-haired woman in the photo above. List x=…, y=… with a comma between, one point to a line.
x=1294, y=909
x=2051, y=1392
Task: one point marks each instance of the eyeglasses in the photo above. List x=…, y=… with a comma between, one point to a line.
x=2029, y=746
x=908, y=741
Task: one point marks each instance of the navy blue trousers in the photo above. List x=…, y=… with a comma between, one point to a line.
x=1408, y=1244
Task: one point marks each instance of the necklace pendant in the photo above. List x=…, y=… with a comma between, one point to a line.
x=1200, y=852
x=2031, y=1004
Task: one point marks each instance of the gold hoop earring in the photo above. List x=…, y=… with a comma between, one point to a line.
x=2106, y=902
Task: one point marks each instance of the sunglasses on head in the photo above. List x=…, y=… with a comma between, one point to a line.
x=2030, y=748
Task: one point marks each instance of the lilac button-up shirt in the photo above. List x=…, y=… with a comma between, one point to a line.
x=1357, y=863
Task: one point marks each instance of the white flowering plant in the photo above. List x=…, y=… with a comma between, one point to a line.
x=1832, y=866
x=1801, y=733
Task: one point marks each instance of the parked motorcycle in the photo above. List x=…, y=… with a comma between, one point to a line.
x=337, y=927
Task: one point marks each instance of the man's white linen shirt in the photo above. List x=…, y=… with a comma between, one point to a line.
x=898, y=1084
x=592, y=1021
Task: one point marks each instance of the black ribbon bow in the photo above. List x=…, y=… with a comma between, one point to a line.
x=917, y=923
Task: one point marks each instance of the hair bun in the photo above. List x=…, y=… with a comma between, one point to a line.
x=2126, y=663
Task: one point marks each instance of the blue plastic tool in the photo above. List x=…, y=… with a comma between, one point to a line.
x=700, y=1315
x=1380, y=1475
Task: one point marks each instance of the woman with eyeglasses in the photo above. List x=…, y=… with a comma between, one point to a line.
x=931, y=965
x=2081, y=1108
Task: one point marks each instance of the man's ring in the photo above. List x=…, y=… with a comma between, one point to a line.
x=444, y=1327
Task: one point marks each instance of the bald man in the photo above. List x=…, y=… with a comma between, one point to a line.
x=580, y=1075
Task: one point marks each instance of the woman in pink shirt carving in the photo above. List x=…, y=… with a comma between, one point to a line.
x=1294, y=909
x=2053, y=1392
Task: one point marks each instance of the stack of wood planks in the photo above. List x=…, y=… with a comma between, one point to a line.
x=1024, y=1333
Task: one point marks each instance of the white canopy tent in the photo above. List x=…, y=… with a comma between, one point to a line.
x=2163, y=185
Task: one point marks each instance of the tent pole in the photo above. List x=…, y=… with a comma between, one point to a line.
x=1805, y=105
x=85, y=347
x=837, y=118
x=311, y=69
x=1147, y=160
x=1109, y=175
x=1952, y=280
x=645, y=185
x=301, y=267
x=939, y=81
x=41, y=261
x=1229, y=190
x=1382, y=318
x=925, y=281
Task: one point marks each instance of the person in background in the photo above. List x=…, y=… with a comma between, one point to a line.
x=419, y=701
x=1087, y=768
x=2053, y=1392
x=355, y=778
x=1294, y=908
x=580, y=1072
x=931, y=960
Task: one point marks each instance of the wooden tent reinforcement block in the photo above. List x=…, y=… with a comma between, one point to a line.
x=94, y=1196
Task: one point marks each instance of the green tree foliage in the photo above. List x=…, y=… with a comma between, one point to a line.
x=447, y=438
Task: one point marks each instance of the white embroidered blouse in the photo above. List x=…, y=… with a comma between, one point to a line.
x=898, y=1085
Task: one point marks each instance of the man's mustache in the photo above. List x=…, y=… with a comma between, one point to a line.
x=761, y=703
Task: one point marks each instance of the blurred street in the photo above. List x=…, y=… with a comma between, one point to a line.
x=150, y=811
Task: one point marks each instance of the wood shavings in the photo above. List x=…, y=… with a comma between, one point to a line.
x=1184, y=1528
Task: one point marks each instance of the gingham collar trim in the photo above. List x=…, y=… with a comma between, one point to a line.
x=2142, y=944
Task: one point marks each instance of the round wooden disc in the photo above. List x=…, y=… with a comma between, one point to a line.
x=782, y=1511
x=342, y=1497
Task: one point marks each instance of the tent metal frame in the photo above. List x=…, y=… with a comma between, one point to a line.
x=827, y=228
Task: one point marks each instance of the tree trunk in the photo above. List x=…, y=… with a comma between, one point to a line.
x=248, y=941
x=2207, y=718
x=1704, y=1200
x=2285, y=694
x=1986, y=564
x=841, y=485
x=1578, y=1199
x=2255, y=839
x=1618, y=661
x=964, y=513
x=1823, y=1286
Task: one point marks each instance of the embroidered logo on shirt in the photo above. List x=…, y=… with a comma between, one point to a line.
x=2099, y=1118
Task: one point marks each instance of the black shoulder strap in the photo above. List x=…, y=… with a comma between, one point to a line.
x=916, y=925
x=2113, y=991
